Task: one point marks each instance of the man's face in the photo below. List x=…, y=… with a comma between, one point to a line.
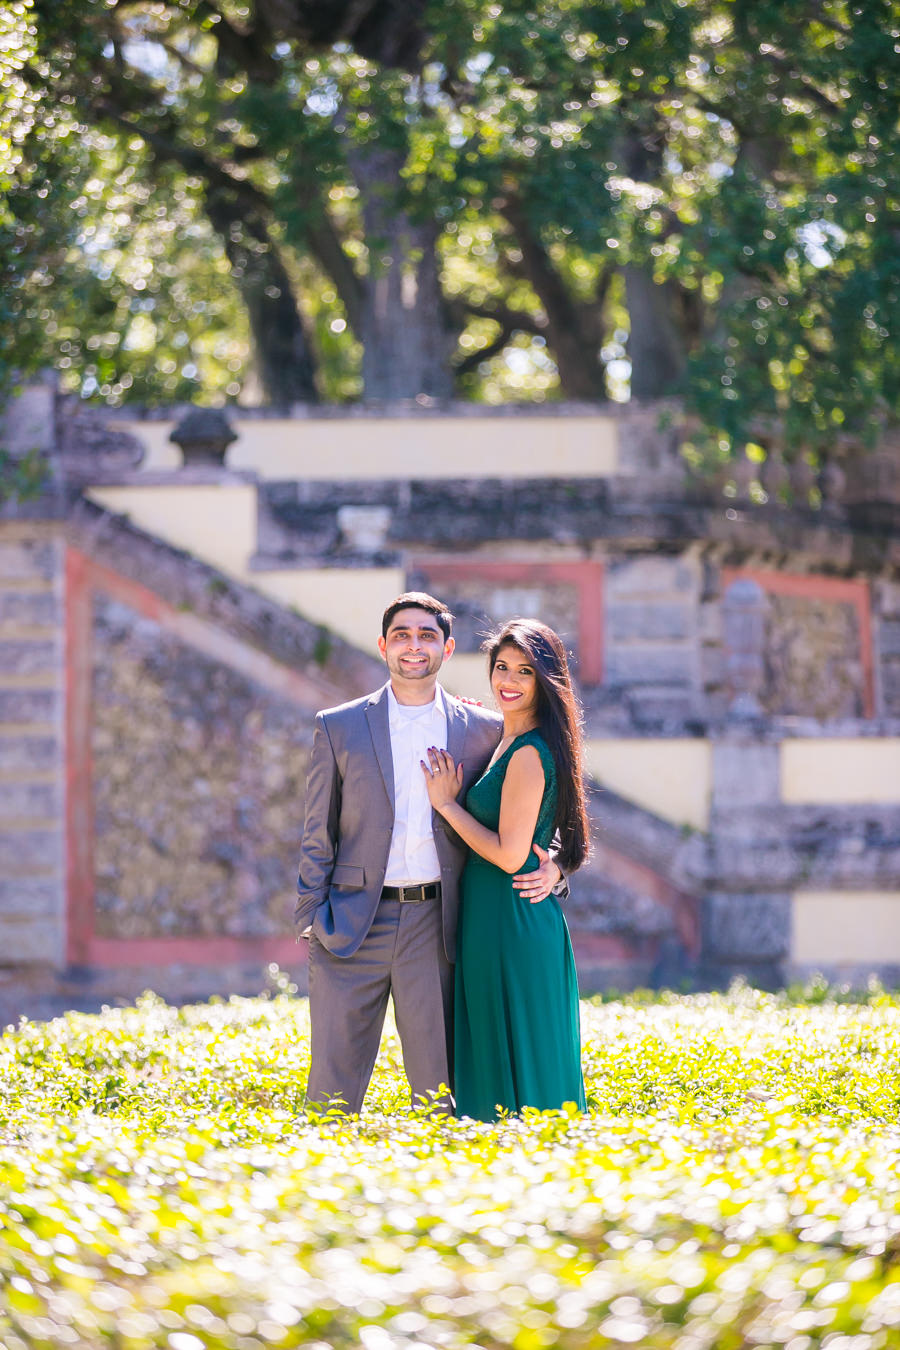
x=414, y=647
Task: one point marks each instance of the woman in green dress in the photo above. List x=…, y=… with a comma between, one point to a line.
x=517, y=1034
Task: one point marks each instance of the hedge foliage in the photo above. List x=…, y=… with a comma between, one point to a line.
x=736, y=1183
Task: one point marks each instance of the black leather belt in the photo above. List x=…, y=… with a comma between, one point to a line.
x=412, y=895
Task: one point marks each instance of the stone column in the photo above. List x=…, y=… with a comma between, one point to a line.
x=32, y=698
x=32, y=876
x=747, y=916
x=743, y=618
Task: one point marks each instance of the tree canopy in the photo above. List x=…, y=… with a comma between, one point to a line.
x=405, y=198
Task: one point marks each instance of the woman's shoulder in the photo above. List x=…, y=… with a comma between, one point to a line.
x=535, y=738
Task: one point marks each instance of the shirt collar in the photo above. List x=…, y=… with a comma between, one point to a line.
x=438, y=706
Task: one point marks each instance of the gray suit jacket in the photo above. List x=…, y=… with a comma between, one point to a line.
x=350, y=817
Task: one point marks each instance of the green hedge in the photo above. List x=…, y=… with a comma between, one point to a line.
x=735, y=1183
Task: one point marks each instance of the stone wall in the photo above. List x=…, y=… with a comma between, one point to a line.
x=32, y=763
x=887, y=601
x=709, y=644
x=198, y=783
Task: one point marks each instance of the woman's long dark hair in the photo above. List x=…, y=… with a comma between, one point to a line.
x=559, y=719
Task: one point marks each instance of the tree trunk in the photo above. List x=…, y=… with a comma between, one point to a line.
x=573, y=330
x=284, y=360
x=656, y=345
x=403, y=325
x=389, y=32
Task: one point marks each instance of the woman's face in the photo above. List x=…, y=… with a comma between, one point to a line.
x=513, y=681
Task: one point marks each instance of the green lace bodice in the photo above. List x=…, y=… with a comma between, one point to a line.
x=483, y=797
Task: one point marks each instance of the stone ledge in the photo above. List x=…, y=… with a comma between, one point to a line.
x=194, y=476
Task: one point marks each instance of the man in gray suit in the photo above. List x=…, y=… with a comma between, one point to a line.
x=379, y=870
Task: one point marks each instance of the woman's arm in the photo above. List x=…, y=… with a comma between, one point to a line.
x=523, y=788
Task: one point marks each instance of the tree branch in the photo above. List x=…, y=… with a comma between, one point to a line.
x=327, y=248
x=513, y=319
x=474, y=359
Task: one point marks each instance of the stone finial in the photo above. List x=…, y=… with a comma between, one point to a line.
x=203, y=435
x=744, y=607
x=364, y=528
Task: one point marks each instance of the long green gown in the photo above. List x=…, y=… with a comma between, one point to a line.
x=517, y=1032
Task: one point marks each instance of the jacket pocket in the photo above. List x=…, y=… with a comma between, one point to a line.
x=348, y=877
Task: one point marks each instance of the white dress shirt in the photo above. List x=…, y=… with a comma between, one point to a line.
x=413, y=857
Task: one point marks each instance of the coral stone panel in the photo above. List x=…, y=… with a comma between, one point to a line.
x=198, y=783
x=812, y=659
x=818, y=656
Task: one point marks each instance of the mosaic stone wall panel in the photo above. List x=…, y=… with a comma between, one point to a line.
x=813, y=666
x=198, y=789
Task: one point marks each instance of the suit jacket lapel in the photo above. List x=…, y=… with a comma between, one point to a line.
x=380, y=730
x=457, y=725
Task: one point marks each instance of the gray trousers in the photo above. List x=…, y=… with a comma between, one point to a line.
x=402, y=956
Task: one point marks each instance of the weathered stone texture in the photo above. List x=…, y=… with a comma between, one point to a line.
x=29, y=608
x=29, y=705
x=649, y=621
x=776, y=846
x=658, y=710
x=243, y=613
x=199, y=783
x=21, y=656
x=887, y=645
x=25, y=940
x=890, y=688
x=28, y=559
x=650, y=576
x=888, y=596
x=31, y=761
x=30, y=850
x=481, y=606
x=30, y=800
x=650, y=663
x=27, y=422
x=30, y=898
x=747, y=927
x=24, y=753
x=300, y=520
x=812, y=658
x=745, y=774
x=889, y=637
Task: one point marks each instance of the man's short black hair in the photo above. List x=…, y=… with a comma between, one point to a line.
x=419, y=600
